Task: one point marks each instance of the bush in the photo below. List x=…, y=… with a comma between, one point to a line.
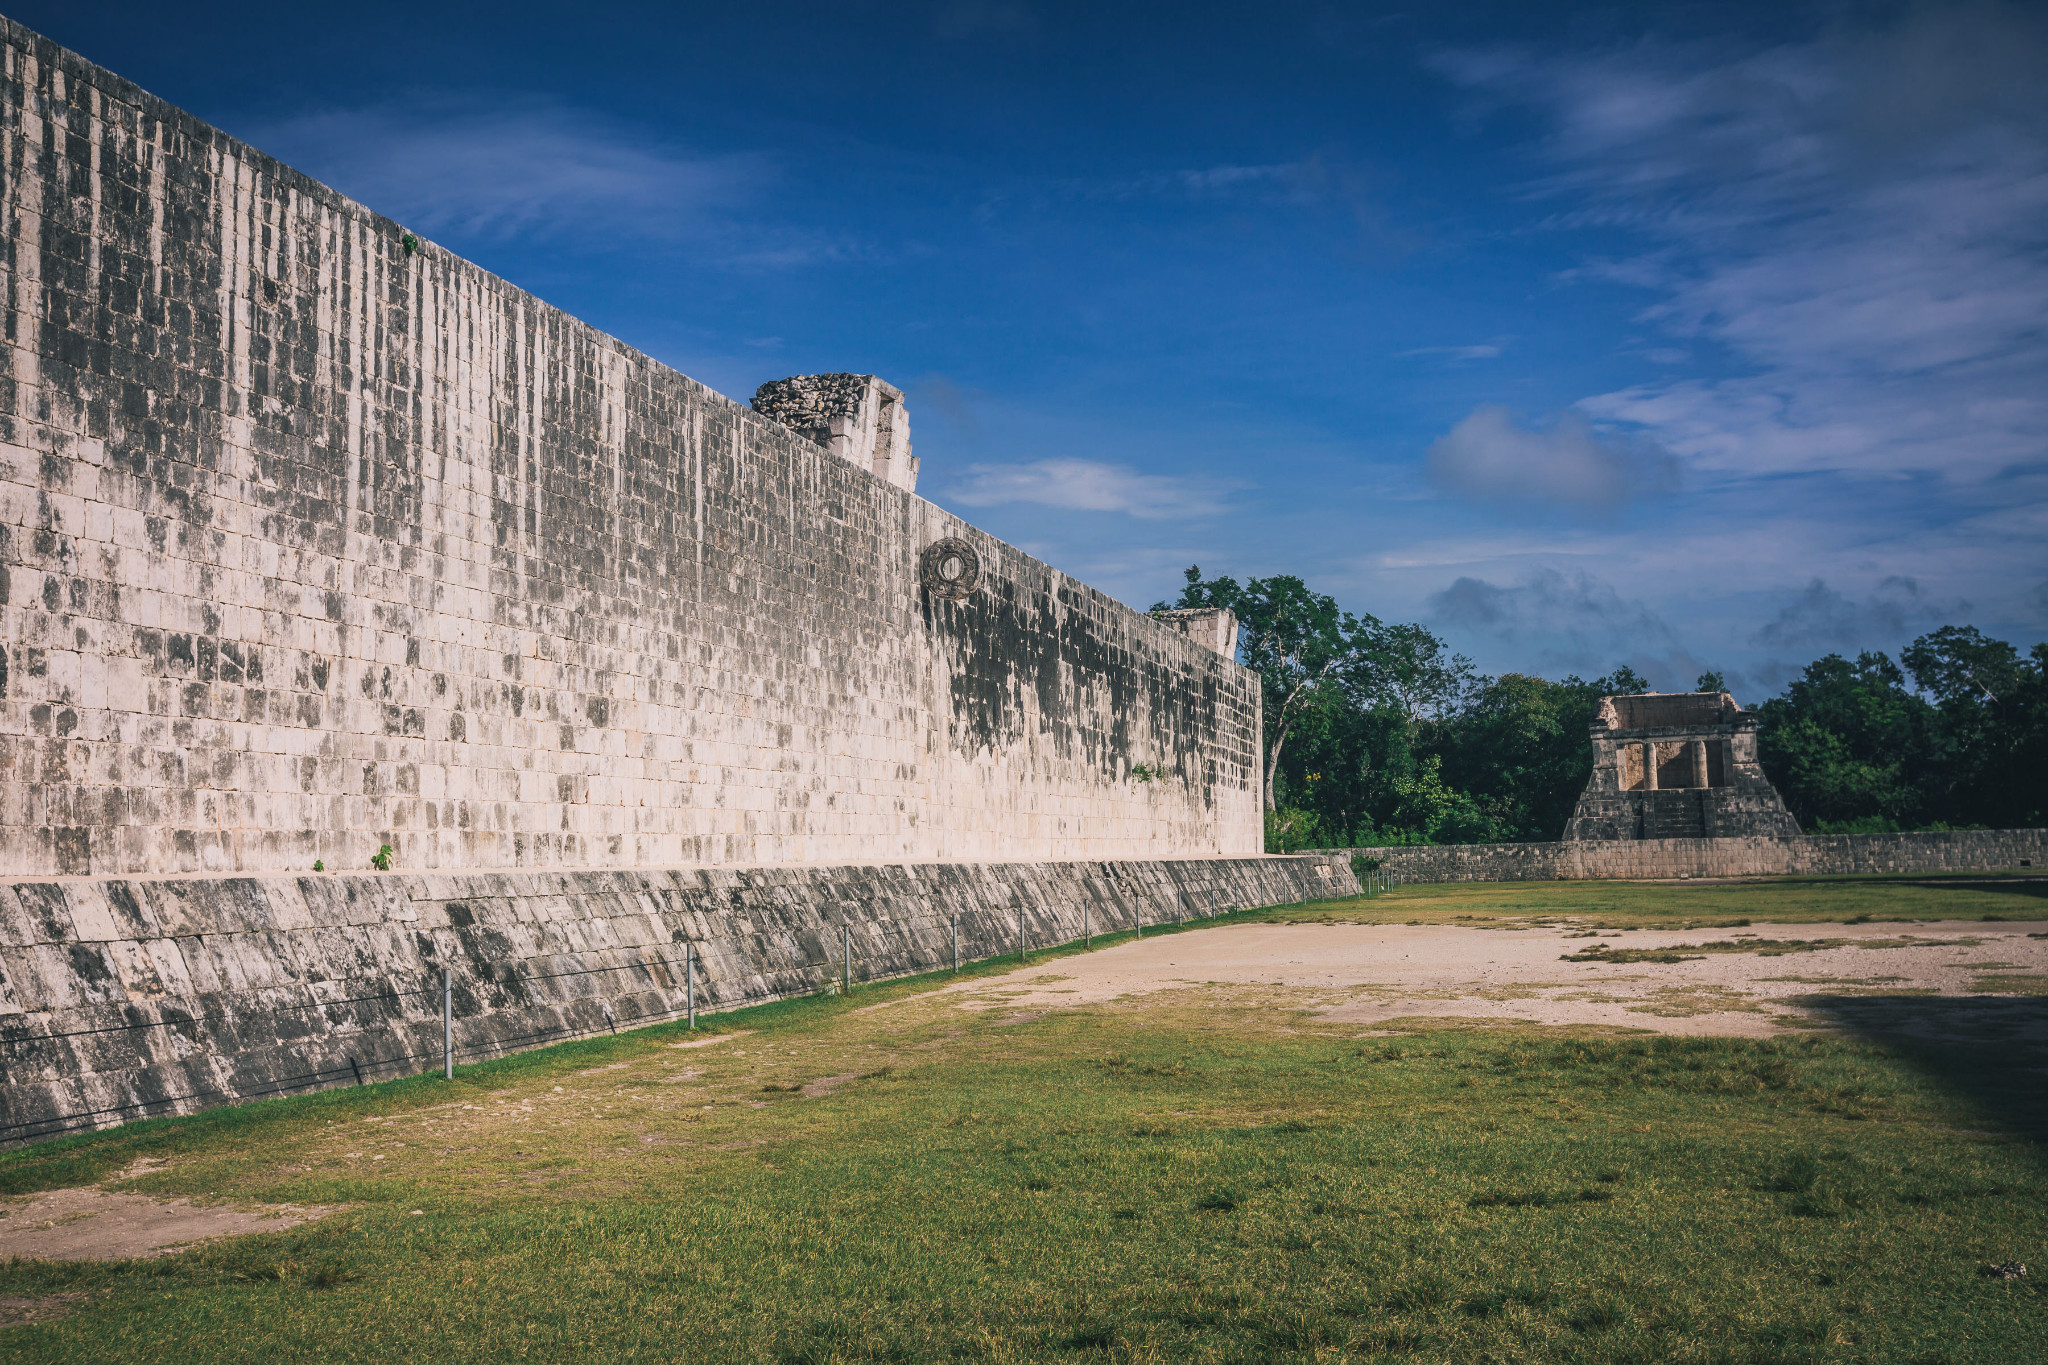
x=1290, y=830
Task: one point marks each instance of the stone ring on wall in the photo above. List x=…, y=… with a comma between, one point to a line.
x=950, y=569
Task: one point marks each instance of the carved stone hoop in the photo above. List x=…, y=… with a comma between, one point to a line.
x=950, y=569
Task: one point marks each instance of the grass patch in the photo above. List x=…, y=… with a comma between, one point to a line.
x=2010, y=983
x=1694, y=952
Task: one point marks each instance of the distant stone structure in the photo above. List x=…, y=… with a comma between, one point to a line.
x=1677, y=765
x=855, y=416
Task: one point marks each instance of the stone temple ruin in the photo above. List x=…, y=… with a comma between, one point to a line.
x=1677, y=765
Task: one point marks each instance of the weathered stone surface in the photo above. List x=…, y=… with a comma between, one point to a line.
x=1814, y=855
x=1213, y=627
x=258, y=986
x=1677, y=765
x=315, y=540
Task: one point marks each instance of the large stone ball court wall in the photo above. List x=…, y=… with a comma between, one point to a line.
x=316, y=538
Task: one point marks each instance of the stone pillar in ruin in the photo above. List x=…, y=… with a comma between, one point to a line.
x=1650, y=766
x=1699, y=763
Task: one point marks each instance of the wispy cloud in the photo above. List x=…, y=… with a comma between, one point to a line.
x=1283, y=181
x=1861, y=220
x=1566, y=461
x=1489, y=350
x=1088, y=486
x=491, y=167
x=1233, y=177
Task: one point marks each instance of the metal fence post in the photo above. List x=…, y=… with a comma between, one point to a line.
x=1020, y=933
x=846, y=968
x=447, y=1024
x=690, y=981
x=1087, y=940
x=956, y=945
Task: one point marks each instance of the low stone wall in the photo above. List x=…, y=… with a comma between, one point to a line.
x=1805, y=855
x=125, y=998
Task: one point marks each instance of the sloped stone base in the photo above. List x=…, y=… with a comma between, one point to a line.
x=127, y=998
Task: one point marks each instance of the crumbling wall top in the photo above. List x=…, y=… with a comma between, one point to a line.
x=1670, y=711
x=855, y=416
x=1212, y=627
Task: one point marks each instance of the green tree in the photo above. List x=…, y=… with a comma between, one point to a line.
x=1522, y=746
x=1298, y=641
x=1379, y=733
x=1849, y=744
x=1992, y=721
x=1408, y=670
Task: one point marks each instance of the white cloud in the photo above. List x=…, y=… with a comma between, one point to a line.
x=1231, y=177
x=1566, y=462
x=1088, y=486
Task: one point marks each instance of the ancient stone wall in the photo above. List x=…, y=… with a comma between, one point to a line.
x=317, y=538
x=1802, y=855
x=123, y=999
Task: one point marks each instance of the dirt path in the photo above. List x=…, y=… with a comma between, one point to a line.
x=1976, y=980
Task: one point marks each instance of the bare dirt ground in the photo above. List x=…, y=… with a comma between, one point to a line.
x=94, y=1224
x=1950, y=979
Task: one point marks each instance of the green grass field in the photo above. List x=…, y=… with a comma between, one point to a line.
x=1169, y=1180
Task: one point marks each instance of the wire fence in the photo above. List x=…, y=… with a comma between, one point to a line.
x=1374, y=881
x=679, y=987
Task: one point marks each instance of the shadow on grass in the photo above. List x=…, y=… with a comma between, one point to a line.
x=1989, y=1050
x=2032, y=885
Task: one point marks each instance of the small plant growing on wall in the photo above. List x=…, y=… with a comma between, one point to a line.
x=381, y=859
x=1144, y=772
x=410, y=243
x=319, y=865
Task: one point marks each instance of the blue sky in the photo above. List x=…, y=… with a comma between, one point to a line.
x=1682, y=335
